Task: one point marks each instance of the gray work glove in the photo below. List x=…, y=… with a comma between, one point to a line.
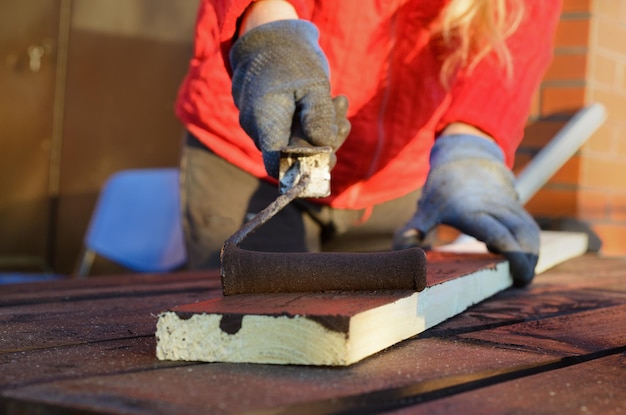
x=281, y=87
x=469, y=187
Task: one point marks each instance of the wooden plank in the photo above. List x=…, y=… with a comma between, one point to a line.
x=327, y=329
x=558, y=246
x=336, y=328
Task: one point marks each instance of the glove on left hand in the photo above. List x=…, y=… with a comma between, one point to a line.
x=469, y=187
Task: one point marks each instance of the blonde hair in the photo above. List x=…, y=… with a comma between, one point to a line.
x=471, y=29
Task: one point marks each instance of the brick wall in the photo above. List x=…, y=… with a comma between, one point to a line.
x=589, y=66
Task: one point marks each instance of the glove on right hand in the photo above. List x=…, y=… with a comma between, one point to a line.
x=280, y=83
x=470, y=188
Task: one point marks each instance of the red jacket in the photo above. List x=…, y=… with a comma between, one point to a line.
x=382, y=59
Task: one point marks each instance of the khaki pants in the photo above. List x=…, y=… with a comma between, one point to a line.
x=217, y=198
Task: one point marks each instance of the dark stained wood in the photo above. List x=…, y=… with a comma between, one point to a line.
x=593, y=387
x=54, y=364
x=570, y=334
x=442, y=266
x=76, y=322
x=114, y=286
x=538, y=302
x=232, y=388
x=557, y=347
x=43, y=315
x=332, y=310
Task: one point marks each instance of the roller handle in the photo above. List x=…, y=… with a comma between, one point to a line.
x=245, y=271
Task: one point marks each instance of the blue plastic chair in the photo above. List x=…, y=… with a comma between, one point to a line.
x=136, y=223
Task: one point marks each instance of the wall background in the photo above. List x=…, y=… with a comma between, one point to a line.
x=589, y=66
x=88, y=89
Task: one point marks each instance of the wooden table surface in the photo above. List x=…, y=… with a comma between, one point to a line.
x=88, y=346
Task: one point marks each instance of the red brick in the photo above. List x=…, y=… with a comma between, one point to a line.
x=603, y=173
x=562, y=100
x=604, y=69
x=608, y=8
x=549, y=202
x=602, y=140
x=567, y=67
x=537, y=134
x=592, y=205
x=572, y=33
x=569, y=174
x=618, y=207
x=610, y=33
x=613, y=240
x=613, y=99
x=576, y=6
x=618, y=140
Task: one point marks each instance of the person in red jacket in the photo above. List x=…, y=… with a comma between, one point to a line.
x=439, y=93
